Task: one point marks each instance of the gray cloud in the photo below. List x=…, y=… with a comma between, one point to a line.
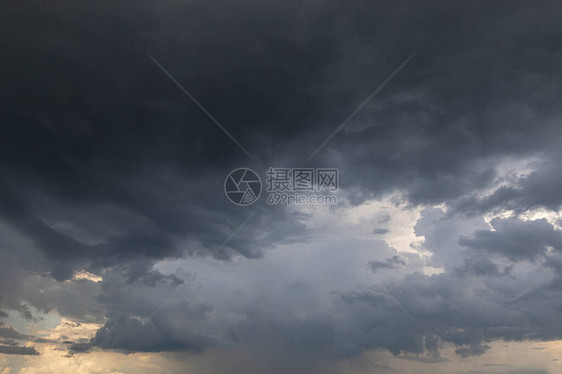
x=158, y=334
x=473, y=350
x=11, y=350
x=482, y=265
x=106, y=167
x=10, y=333
x=539, y=189
x=389, y=263
x=9, y=342
x=516, y=239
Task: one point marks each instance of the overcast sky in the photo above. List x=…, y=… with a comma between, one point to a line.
x=121, y=253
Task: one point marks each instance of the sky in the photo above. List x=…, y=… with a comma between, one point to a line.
x=120, y=251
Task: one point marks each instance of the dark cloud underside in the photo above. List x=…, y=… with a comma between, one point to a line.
x=105, y=166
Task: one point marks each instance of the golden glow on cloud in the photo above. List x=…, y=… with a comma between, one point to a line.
x=503, y=357
x=83, y=274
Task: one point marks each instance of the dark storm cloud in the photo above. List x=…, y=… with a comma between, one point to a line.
x=106, y=166
x=539, y=189
x=516, y=239
x=10, y=333
x=360, y=321
x=11, y=338
x=144, y=163
x=142, y=271
x=474, y=350
x=91, y=123
x=461, y=320
x=79, y=347
x=480, y=264
x=11, y=350
x=170, y=330
x=467, y=309
x=467, y=106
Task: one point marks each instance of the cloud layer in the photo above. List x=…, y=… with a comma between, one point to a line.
x=108, y=170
